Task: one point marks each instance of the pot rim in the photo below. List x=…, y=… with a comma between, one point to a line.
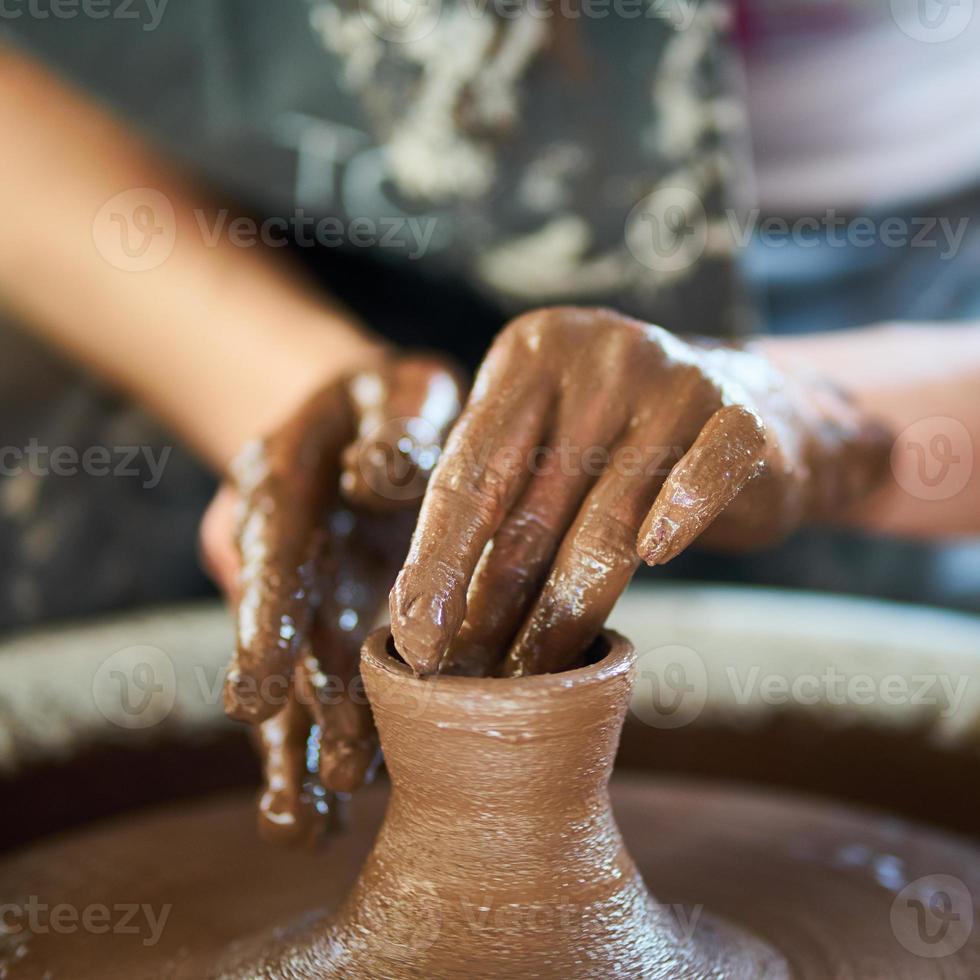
x=619, y=660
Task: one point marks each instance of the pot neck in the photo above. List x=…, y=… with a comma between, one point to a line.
x=516, y=747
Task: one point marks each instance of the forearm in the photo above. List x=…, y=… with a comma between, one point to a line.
x=219, y=341
x=903, y=374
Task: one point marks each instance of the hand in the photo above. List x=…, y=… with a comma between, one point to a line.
x=591, y=441
x=306, y=540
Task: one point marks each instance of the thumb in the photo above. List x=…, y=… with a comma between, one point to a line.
x=404, y=411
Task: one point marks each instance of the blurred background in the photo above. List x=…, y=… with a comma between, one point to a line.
x=822, y=111
x=726, y=169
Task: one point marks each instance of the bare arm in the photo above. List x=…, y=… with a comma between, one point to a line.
x=923, y=376
x=107, y=253
x=221, y=342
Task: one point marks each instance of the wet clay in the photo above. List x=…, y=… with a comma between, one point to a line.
x=499, y=807
x=498, y=856
x=326, y=513
x=300, y=490
x=521, y=549
x=819, y=883
x=590, y=442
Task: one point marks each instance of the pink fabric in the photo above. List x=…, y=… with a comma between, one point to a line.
x=759, y=22
x=848, y=107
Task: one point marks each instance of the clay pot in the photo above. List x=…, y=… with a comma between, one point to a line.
x=499, y=855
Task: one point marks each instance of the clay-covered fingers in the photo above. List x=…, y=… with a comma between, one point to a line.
x=284, y=483
x=517, y=560
x=404, y=411
x=479, y=476
x=328, y=677
x=728, y=453
x=346, y=739
x=598, y=557
x=357, y=568
x=509, y=575
x=293, y=808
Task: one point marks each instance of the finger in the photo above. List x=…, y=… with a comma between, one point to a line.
x=348, y=744
x=480, y=474
x=513, y=567
x=358, y=567
x=285, y=483
x=348, y=747
x=726, y=455
x=509, y=575
x=350, y=753
x=292, y=809
x=404, y=411
x=597, y=556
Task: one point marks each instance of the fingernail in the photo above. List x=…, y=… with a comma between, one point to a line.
x=656, y=545
x=427, y=608
x=419, y=641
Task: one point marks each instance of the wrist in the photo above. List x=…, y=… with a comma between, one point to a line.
x=276, y=371
x=843, y=439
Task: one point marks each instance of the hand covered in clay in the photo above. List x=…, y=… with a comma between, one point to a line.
x=306, y=539
x=590, y=442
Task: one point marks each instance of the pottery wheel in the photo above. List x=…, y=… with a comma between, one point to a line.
x=840, y=893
